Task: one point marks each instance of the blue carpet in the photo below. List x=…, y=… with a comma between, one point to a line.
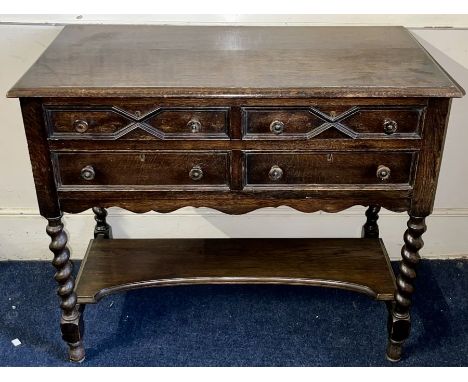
x=234, y=325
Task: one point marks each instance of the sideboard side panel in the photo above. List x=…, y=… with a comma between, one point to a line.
x=41, y=162
x=427, y=172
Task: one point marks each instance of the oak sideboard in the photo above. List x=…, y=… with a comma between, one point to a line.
x=235, y=118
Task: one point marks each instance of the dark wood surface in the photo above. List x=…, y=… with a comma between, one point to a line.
x=114, y=265
x=344, y=122
x=162, y=170
x=371, y=228
x=326, y=168
x=112, y=122
x=430, y=157
x=324, y=199
x=129, y=60
x=399, y=320
x=71, y=319
x=171, y=171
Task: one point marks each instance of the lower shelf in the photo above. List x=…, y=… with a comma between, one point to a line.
x=114, y=265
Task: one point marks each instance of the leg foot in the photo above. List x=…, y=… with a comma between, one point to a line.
x=394, y=350
x=399, y=320
x=398, y=331
x=76, y=352
x=371, y=229
x=72, y=328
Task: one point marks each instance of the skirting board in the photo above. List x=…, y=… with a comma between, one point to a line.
x=23, y=237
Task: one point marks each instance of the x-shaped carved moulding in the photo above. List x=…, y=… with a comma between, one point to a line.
x=333, y=122
x=139, y=121
x=329, y=121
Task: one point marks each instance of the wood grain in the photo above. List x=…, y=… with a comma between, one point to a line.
x=310, y=122
x=378, y=144
x=165, y=170
x=110, y=266
x=103, y=121
x=112, y=122
x=428, y=167
x=180, y=61
x=40, y=156
x=321, y=199
x=305, y=170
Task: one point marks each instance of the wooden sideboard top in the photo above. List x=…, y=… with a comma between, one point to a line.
x=227, y=61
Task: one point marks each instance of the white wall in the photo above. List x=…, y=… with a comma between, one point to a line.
x=410, y=21
x=22, y=230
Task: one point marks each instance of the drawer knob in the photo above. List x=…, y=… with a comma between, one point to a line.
x=383, y=173
x=196, y=173
x=390, y=126
x=194, y=125
x=87, y=173
x=277, y=127
x=276, y=173
x=80, y=125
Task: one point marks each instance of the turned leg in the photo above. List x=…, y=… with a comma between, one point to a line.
x=371, y=229
x=102, y=229
x=399, y=323
x=71, y=323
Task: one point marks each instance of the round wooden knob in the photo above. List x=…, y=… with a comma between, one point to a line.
x=390, y=126
x=196, y=173
x=88, y=173
x=80, y=125
x=276, y=173
x=194, y=125
x=277, y=127
x=383, y=173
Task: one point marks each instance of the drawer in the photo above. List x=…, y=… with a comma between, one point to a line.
x=332, y=122
x=174, y=170
x=108, y=122
x=330, y=168
x=85, y=122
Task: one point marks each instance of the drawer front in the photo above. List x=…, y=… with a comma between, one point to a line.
x=144, y=170
x=348, y=122
x=85, y=122
x=191, y=124
x=327, y=168
x=107, y=122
